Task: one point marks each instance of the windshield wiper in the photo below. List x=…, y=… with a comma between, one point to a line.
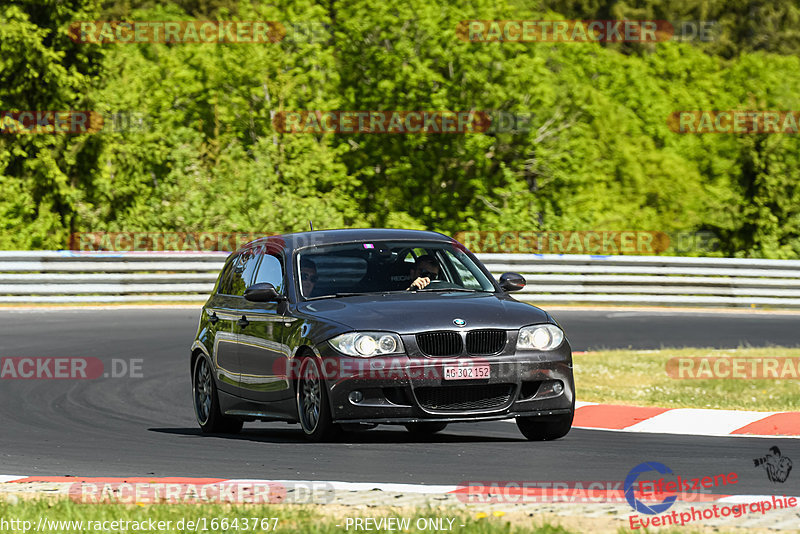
x=463, y=289
x=337, y=295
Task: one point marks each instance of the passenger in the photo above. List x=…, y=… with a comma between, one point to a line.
x=308, y=276
x=425, y=269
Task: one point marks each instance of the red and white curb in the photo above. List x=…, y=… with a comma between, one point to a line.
x=686, y=421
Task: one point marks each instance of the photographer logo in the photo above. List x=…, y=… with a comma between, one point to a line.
x=777, y=466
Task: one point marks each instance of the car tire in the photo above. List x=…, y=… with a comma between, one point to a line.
x=313, y=406
x=545, y=428
x=206, y=402
x=425, y=429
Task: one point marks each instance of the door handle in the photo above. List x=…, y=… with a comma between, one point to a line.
x=212, y=317
x=243, y=322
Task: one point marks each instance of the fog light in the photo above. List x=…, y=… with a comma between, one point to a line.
x=356, y=397
x=558, y=387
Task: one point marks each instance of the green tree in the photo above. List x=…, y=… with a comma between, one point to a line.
x=44, y=176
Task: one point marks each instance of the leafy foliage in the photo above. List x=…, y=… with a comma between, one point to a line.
x=597, y=152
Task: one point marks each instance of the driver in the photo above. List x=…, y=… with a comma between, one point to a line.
x=425, y=269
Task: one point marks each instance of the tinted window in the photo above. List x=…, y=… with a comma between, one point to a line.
x=270, y=271
x=466, y=272
x=225, y=277
x=337, y=273
x=239, y=275
x=388, y=266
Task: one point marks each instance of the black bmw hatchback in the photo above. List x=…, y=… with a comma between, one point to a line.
x=348, y=329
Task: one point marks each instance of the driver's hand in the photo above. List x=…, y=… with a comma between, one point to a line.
x=420, y=283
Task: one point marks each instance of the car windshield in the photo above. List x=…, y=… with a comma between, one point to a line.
x=382, y=266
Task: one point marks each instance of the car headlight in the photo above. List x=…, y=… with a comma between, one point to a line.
x=540, y=337
x=367, y=344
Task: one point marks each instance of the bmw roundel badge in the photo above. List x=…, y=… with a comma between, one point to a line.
x=459, y=322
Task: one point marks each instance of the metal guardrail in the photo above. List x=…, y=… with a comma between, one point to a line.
x=65, y=276
x=658, y=280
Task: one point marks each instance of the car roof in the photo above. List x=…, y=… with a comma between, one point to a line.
x=347, y=235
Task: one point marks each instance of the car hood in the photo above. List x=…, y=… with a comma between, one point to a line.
x=407, y=313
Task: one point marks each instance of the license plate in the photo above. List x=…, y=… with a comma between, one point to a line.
x=465, y=372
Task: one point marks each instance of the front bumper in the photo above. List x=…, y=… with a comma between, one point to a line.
x=406, y=389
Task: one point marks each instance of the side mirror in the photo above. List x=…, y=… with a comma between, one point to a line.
x=512, y=281
x=262, y=292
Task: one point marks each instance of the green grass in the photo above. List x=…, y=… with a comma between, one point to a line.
x=640, y=378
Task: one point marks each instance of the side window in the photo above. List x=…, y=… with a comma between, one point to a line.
x=240, y=274
x=468, y=279
x=225, y=278
x=250, y=262
x=270, y=271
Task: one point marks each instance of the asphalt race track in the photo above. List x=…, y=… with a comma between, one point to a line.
x=144, y=426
